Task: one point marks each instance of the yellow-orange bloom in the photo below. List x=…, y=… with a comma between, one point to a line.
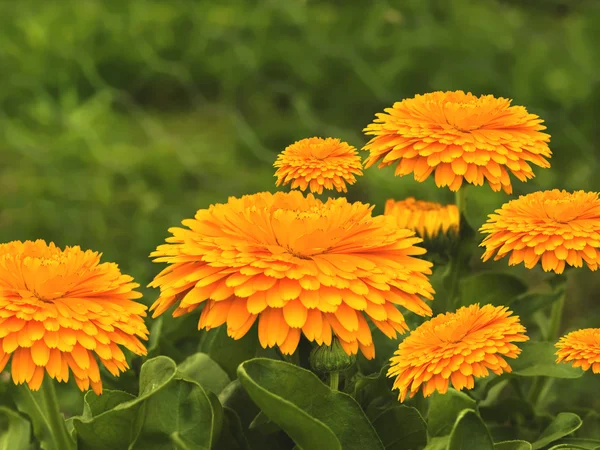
x=428, y=219
x=297, y=264
x=459, y=137
x=455, y=347
x=555, y=226
x=581, y=348
x=318, y=163
x=62, y=309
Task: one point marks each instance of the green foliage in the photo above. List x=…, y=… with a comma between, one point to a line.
x=120, y=119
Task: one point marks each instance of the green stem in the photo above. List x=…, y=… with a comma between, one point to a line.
x=541, y=385
x=555, y=318
x=334, y=380
x=461, y=200
x=55, y=418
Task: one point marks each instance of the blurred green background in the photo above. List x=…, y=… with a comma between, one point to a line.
x=120, y=119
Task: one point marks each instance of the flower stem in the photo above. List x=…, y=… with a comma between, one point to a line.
x=555, y=318
x=541, y=385
x=461, y=200
x=334, y=380
x=55, y=417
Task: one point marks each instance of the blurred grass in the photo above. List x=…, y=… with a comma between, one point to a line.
x=119, y=119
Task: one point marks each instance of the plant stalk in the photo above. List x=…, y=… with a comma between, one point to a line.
x=334, y=380
x=55, y=419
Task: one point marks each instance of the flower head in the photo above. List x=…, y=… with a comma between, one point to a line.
x=581, y=348
x=63, y=310
x=459, y=137
x=317, y=163
x=455, y=347
x=298, y=265
x=428, y=219
x=555, y=226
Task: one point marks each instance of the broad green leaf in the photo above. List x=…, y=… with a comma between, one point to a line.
x=578, y=443
x=235, y=397
x=570, y=447
x=313, y=415
x=591, y=426
x=169, y=413
x=496, y=288
x=41, y=407
x=204, y=371
x=563, y=424
x=470, y=433
x=539, y=359
x=443, y=409
x=263, y=424
x=228, y=353
x=232, y=435
x=512, y=445
x=15, y=430
x=438, y=443
x=401, y=428
x=525, y=305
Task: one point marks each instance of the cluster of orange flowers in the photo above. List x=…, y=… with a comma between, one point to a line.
x=323, y=269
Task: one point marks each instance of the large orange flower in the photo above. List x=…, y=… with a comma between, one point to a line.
x=318, y=163
x=455, y=347
x=459, y=137
x=62, y=309
x=297, y=264
x=581, y=348
x=555, y=226
x=428, y=219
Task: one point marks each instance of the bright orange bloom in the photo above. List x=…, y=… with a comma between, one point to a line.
x=298, y=265
x=60, y=309
x=317, y=163
x=459, y=137
x=555, y=226
x=428, y=219
x=582, y=348
x=455, y=347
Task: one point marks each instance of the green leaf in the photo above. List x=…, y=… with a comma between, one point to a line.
x=15, y=430
x=470, y=433
x=496, y=288
x=438, y=443
x=235, y=397
x=232, y=435
x=204, y=371
x=443, y=409
x=168, y=411
x=563, y=424
x=41, y=407
x=527, y=304
x=313, y=415
x=227, y=352
x=539, y=359
x=578, y=443
x=401, y=428
x=512, y=445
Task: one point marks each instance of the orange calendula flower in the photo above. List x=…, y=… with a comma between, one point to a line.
x=318, y=163
x=63, y=310
x=581, y=348
x=296, y=264
x=555, y=226
x=428, y=219
x=455, y=347
x=459, y=137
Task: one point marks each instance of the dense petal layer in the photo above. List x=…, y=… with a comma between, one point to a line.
x=555, y=227
x=318, y=163
x=61, y=310
x=294, y=263
x=453, y=348
x=581, y=348
x=459, y=137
